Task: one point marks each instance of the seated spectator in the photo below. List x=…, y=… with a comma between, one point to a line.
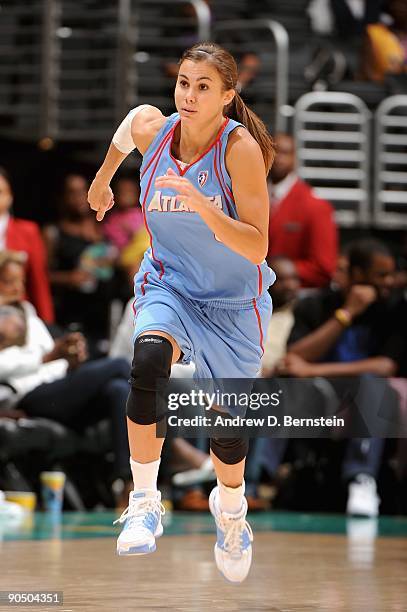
x=52, y=378
x=340, y=279
x=284, y=293
x=249, y=67
x=348, y=18
x=385, y=48
x=124, y=228
x=81, y=263
x=302, y=226
x=24, y=236
x=126, y=217
x=13, y=328
x=356, y=332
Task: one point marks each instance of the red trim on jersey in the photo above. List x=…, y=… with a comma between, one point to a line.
x=220, y=184
x=259, y=322
x=134, y=306
x=220, y=176
x=230, y=194
x=161, y=145
x=260, y=280
x=218, y=136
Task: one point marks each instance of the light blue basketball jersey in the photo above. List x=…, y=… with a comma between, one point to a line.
x=185, y=254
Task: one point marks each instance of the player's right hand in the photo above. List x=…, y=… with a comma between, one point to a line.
x=100, y=198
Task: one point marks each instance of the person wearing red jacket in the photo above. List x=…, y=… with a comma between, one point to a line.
x=24, y=236
x=302, y=226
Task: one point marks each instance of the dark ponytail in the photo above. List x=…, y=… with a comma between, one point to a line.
x=226, y=66
x=240, y=112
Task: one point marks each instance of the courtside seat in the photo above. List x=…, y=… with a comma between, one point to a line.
x=45, y=444
x=21, y=436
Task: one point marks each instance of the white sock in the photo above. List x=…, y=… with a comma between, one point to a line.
x=145, y=474
x=231, y=498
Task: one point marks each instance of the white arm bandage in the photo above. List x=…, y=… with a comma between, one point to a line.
x=122, y=138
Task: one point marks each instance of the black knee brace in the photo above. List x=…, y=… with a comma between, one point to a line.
x=151, y=362
x=230, y=450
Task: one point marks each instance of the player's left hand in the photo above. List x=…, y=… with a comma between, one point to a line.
x=186, y=191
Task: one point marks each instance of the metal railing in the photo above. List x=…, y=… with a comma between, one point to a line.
x=276, y=82
x=21, y=34
x=390, y=185
x=332, y=133
x=86, y=68
x=60, y=68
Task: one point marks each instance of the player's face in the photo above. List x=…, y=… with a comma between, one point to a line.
x=199, y=92
x=6, y=197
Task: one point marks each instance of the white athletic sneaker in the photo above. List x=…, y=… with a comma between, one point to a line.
x=204, y=473
x=362, y=497
x=233, y=548
x=142, y=523
x=10, y=510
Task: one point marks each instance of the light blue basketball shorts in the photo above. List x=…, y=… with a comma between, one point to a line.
x=223, y=338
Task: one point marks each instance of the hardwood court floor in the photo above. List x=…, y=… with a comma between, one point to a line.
x=292, y=572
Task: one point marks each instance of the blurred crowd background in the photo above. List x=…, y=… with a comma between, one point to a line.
x=329, y=77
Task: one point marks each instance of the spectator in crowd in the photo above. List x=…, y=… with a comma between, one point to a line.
x=385, y=48
x=52, y=378
x=249, y=68
x=13, y=327
x=340, y=279
x=352, y=16
x=24, y=236
x=302, y=226
x=81, y=263
x=284, y=293
x=124, y=228
x=347, y=18
x=354, y=332
x=126, y=218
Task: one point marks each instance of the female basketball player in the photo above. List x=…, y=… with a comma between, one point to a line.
x=201, y=291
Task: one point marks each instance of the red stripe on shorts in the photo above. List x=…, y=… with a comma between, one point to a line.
x=260, y=280
x=256, y=310
x=143, y=286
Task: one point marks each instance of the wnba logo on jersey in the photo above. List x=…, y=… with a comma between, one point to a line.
x=202, y=177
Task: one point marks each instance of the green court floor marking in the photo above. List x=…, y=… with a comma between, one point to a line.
x=76, y=525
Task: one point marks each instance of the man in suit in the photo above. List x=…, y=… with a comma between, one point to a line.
x=302, y=226
x=24, y=236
